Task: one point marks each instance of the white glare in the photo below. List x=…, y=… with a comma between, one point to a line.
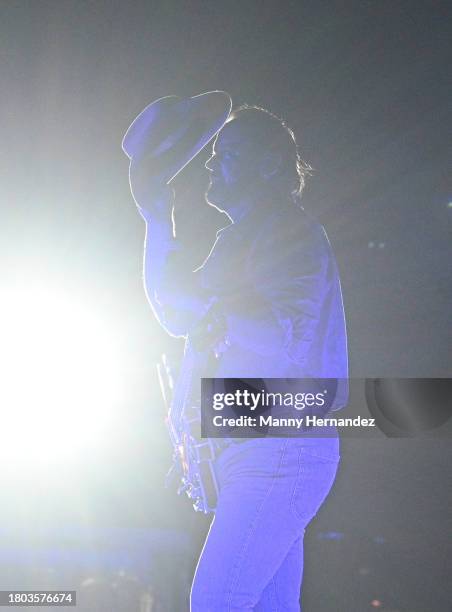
x=59, y=376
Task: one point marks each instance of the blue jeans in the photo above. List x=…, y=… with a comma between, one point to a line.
x=270, y=489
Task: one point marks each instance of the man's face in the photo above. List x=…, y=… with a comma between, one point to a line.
x=234, y=166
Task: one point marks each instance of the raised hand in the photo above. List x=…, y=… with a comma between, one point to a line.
x=152, y=195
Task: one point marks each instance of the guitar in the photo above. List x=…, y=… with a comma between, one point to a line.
x=193, y=457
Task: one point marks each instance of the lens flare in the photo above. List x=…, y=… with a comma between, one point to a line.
x=60, y=376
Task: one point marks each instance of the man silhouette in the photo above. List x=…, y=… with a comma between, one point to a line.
x=266, y=303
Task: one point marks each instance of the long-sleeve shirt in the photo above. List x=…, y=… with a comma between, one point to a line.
x=274, y=278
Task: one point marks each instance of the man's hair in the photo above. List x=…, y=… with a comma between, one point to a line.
x=274, y=134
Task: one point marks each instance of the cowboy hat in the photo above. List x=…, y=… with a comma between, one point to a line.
x=171, y=131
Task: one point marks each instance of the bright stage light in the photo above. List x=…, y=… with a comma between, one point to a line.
x=60, y=377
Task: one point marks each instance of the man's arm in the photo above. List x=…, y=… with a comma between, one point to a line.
x=172, y=291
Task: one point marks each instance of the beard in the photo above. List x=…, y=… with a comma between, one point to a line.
x=224, y=196
x=220, y=195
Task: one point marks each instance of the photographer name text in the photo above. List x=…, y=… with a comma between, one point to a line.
x=297, y=423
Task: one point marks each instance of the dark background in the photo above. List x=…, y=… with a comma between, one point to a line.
x=366, y=88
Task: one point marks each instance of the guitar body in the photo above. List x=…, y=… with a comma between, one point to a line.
x=196, y=459
x=193, y=457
